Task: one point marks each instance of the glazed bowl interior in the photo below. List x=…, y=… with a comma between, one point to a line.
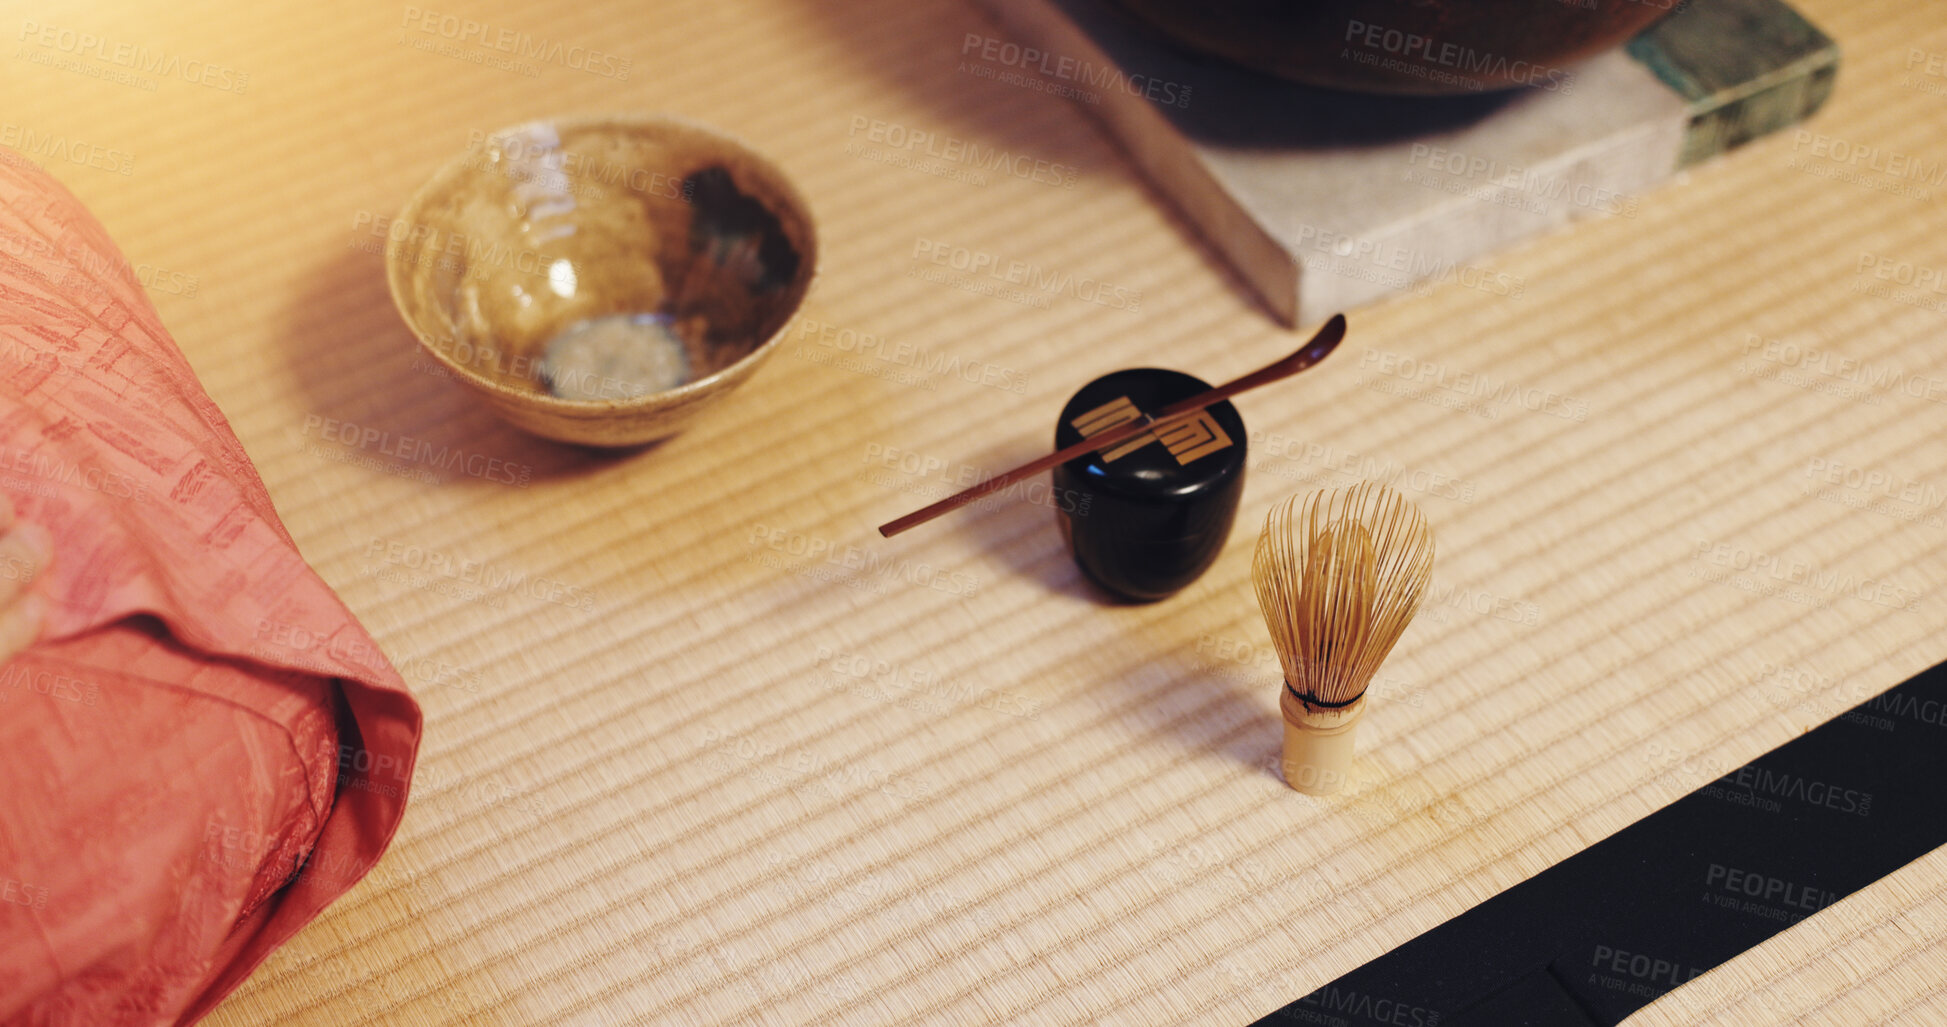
x=572, y=270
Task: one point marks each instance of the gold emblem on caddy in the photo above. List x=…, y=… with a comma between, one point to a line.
x=1198, y=435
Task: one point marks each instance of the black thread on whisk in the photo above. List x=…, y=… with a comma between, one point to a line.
x=1312, y=700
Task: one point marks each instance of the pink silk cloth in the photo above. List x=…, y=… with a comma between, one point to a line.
x=204, y=748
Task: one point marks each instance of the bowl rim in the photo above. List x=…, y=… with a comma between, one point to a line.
x=397, y=276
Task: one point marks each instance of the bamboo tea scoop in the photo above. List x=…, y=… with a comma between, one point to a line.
x=1310, y=353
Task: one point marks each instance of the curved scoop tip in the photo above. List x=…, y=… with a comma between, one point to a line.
x=1327, y=340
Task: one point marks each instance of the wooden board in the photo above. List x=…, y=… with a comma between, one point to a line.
x=679, y=769
x=1325, y=200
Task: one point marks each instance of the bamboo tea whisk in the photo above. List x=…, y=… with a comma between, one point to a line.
x=1338, y=578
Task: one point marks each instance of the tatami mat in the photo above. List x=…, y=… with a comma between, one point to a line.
x=701, y=748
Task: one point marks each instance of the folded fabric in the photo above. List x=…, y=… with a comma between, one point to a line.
x=204, y=749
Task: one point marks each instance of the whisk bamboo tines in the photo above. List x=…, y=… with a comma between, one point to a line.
x=1339, y=577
